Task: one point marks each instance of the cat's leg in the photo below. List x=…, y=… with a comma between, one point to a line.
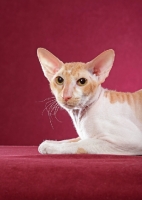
x=61, y=141
x=91, y=146
x=69, y=140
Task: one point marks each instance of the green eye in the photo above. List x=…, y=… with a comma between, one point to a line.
x=59, y=80
x=82, y=81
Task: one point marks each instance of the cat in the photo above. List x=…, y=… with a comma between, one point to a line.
x=107, y=122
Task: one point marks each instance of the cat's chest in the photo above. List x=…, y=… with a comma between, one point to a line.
x=100, y=119
x=95, y=123
x=87, y=123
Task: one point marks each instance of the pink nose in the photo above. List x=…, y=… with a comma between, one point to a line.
x=66, y=98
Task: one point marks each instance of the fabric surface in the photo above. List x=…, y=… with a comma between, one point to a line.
x=25, y=174
x=73, y=30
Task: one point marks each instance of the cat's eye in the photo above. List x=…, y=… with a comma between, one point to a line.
x=59, y=80
x=82, y=81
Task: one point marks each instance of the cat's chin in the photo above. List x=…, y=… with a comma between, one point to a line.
x=68, y=106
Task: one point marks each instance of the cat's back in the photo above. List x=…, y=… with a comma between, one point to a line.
x=137, y=96
x=133, y=100
x=124, y=97
x=137, y=106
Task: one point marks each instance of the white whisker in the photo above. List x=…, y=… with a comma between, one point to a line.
x=49, y=98
x=49, y=113
x=55, y=112
x=51, y=107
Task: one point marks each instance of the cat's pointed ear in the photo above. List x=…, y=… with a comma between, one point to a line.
x=50, y=64
x=102, y=64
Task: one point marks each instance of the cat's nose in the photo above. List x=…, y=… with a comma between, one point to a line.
x=66, y=98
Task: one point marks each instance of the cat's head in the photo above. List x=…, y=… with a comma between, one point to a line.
x=75, y=84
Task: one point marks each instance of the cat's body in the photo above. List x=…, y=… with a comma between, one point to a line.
x=107, y=122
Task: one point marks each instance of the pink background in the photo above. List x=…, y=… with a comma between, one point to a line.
x=74, y=31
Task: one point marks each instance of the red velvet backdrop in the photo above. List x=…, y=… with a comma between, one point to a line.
x=74, y=31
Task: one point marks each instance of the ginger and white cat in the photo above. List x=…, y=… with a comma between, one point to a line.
x=107, y=122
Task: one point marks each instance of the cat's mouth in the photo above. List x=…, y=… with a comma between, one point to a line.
x=68, y=104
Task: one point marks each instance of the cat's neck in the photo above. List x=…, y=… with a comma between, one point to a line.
x=78, y=113
x=96, y=96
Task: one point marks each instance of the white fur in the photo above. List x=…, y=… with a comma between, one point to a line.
x=103, y=127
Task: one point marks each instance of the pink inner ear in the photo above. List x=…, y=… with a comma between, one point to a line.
x=55, y=68
x=96, y=71
x=50, y=63
x=48, y=58
x=102, y=64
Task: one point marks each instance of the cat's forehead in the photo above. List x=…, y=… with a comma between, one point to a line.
x=73, y=68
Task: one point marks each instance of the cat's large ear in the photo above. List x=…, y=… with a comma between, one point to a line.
x=50, y=64
x=101, y=65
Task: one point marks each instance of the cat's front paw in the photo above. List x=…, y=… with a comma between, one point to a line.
x=48, y=147
x=43, y=147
